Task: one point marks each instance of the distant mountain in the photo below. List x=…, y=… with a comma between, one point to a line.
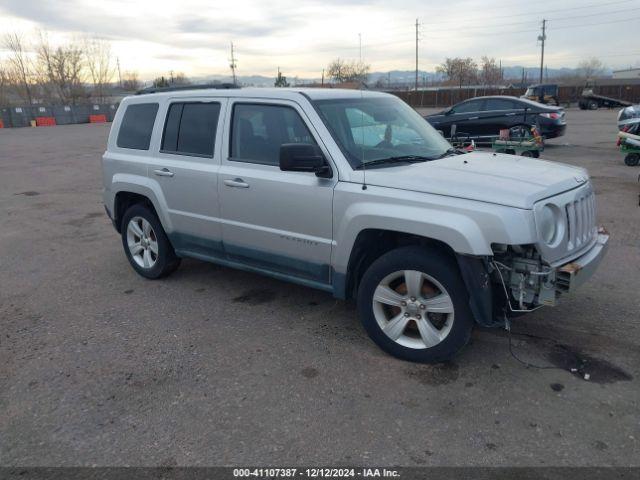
x=252, y=80
x=393, y=77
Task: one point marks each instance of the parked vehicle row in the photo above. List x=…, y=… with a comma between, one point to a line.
x=352, y=193
x=482, y=118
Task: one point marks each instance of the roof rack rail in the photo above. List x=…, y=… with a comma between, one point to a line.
x=203, y=86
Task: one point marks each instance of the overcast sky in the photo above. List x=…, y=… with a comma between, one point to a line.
x=301, y=37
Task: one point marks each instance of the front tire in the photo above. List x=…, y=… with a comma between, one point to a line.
x=146, y=244
x=414, y=305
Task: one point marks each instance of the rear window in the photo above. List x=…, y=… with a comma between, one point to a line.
x=190, y=128
x=137, y=126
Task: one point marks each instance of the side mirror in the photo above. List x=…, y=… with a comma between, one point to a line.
x=448, y=112
x=303, y=157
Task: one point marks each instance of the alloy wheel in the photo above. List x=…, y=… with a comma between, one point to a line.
x=142, y=242
x=413, y=309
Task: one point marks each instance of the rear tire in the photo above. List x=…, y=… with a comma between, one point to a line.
x=146, y=244
x=593, y=105
x=632, y=159
x=414, y=305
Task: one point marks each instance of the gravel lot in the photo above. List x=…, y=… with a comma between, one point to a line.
x=219, y=367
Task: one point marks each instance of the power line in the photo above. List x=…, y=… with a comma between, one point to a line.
x=477, y=20
x=516, y=32
x=530, y=22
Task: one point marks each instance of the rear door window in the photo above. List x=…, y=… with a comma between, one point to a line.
x=190, y=128
x=473, y=106
x=137, y=125
x=499, y=104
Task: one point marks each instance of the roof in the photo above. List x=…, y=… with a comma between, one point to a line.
x=292, y=93
x=509, y=97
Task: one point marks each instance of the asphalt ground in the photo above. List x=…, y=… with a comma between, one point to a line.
x=213, y=366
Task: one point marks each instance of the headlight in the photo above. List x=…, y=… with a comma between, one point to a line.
x=548, y=224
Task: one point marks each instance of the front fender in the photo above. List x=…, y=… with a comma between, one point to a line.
x=468, y=227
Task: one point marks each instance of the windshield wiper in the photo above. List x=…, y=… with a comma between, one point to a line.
x=400, y=159
x=448, y=153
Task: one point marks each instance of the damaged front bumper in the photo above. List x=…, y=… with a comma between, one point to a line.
x=571, y=275
x=529, y=283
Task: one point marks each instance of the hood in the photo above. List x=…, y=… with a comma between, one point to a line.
x=503, y=179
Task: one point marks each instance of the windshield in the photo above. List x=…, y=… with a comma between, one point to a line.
x=531, y=92
x=373, y=129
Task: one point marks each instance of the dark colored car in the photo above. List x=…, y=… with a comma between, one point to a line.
x=482, y=118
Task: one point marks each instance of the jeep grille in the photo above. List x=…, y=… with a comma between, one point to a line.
x=581, y=220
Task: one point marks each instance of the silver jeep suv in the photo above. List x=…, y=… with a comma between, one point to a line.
x=353, y=193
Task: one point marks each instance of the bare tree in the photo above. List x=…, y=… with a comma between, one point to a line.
x=20, y=67
x=591, y=68
x=180, y=79
x=459, y=70
x=97, y=55
x=130, y=81
x=490, y=71
x=342, y=71
x=4, y=85
x=60, y=71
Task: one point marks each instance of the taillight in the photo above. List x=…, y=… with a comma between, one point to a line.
x=552, y=116
x=619, y=141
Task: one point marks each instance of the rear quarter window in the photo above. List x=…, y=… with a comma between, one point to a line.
x=137, y=125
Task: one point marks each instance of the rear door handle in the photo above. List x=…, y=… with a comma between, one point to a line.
x=163, y=172
x=509, y=114
x=237, y=183
x=474, y=118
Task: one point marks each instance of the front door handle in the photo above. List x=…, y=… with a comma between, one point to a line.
x=474, y=118
x=237, y=183
x=163, y=172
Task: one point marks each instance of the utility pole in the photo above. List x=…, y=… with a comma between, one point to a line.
x=360, y=46
x=322, y=82
x=417, y=25
x=119, y=75
x=233, y=65
x=542, y=38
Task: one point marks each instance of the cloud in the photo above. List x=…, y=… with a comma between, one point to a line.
x=302, y=36
x=218, y=27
